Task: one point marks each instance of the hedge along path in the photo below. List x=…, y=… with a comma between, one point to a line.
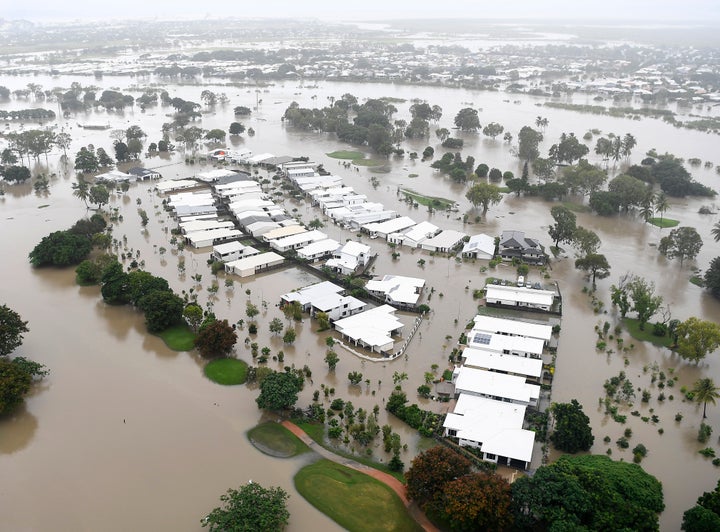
x=389, y=480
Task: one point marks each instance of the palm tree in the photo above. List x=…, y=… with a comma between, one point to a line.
x=628, y=143
x=81, y=190
x=716, y=231
x=705, y=392
x=661, y=204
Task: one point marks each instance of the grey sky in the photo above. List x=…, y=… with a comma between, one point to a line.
x=652, y=10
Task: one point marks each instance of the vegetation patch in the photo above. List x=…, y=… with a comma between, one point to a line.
x=352, y=499
x=367, y=162
x=178, y=337
x=663, y=222
x=226, y=371
x=575, y=207
x=429, y=201
x=275, y=440
x=346, y=154
x=633, y=327
x=697, y=281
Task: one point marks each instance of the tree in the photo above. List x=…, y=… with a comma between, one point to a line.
x=99, y=195
x=696, y=338
x=572, y=427
x=323, y=319
x=289, y=336
x=682, y=242
x=432, y=470
x=241, y=110
x=528, y=142
x=467, y=119
x=544, y=168
x=629, y=190
x=251, y=310
x=355, y=377
x=16, y=174
x=478, y=501
x=331, y=359
x=134, y=148
x=14, y=385
x=193, y=314
x=715, y=232
x=482, y=170
x=705, y=392
x=162, y=310
x=645, y=302
x=604, y=203
x=61, y=248
x=587, y=492
x=493, y=129
x=705, y=515
x=121, y=151
x=141, y=283
x=595, y=264
x=568, y=150
x=484, y=194
x=134, y=132
x=276, y=326
x=712, y=277
x=81, y=190
x=495, y=175
x=12, y=328
x=236, y=128
x=563, y=230
x=279, y=391
x=585, y=241
x=661, y=204
x=249, y=508
x=215, y=135
x=216, y=338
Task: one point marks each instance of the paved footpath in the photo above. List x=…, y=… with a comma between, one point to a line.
x=389, y=480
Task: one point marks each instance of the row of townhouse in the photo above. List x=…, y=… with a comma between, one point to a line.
x=498, y=380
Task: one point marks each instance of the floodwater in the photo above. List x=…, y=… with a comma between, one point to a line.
x=125, y=433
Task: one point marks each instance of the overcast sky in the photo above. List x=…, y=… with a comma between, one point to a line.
x=651, y=10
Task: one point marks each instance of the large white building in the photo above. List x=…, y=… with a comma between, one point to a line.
x=349, y=257
x=494, y=325
x=518, y=296
x=397, y=290
x=372, y=329
x=479, y=247
x=255, y=264
x=325, y=297
x=495, y=427
x=497, y=386
x=528, y=368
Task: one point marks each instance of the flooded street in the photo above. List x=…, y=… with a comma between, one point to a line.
x=126, y=434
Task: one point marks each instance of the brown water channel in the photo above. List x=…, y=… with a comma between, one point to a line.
x=128, y=434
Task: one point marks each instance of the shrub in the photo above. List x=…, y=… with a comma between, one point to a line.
x=703, y=433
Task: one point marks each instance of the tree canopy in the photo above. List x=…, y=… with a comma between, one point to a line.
x=249, y=508
x=563, y=230
x=528, y=141
x=12, y=328
x=467, y=119
x=484, y=194
x=60, y=248
x=431, y=470
x=588, y=492
x=705, y=515
x=712, y=277
x=572, y=427
x=682, y=242
x=279, y=391
x=216, y=338
x=696, y=338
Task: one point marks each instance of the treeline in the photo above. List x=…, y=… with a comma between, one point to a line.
x=71, y=246
x=28, y=114
x=424, y=421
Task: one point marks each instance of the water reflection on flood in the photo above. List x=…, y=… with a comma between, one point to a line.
x=126, y=431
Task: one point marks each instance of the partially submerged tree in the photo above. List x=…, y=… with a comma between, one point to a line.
x=682, y=242
x=696, y=338
x=572, y=427
x=249, y=508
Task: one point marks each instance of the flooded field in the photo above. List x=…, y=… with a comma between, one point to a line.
x=125, y=433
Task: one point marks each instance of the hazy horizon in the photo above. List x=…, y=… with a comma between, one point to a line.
x=610, y=11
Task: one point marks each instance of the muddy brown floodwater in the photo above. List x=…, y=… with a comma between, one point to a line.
x=126, y=434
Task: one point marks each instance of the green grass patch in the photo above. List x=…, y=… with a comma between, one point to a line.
x=346, y=154
x=316, y=431
x=429, y=201
x=504, y=190
x=575, y=207
x=368, y=162
x=633, y=327
x=352, y=499
x=179, y=338
x=697, y=281
x=664, y=222
x=226, y=371
x=275, y=440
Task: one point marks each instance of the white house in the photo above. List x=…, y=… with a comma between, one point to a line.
x=479, y=247
x=201, y=239
x=397, y=290
x=297, y=241
x=318, y=250
x=528, y=368
x=497, y=386
x=325, y=297
x=510, y=345
x=495, y=427
x=508, y=327
x=349, y=257
x=252, y=265
x=282, y=232
x=231, y=251
x=205, y=225
x=176, y=184
x=144, y=174
x=214, y=176
x=372, y=329
x=443, y=242
x=114, y=176
x=519, y=296
x=414, y=236
x=383, y=229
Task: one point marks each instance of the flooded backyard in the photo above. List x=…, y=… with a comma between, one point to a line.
x=125, y=433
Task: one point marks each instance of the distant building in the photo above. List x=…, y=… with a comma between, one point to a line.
x=143, y=174
x=397, y=290
x=515, y=245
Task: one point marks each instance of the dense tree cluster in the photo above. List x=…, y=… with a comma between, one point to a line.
x=587, y=492
x=633, y=293
x=65, y=248
x=250, y=507
x=216, y=338
x=279, y=390
x=572, y=427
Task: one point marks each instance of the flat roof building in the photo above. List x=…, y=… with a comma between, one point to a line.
x=372, y=329
x=255, y=264
x=497, y=386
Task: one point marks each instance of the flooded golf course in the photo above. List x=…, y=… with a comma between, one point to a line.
x=126, y=434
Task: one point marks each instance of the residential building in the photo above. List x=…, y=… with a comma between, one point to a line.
x=397, y=290
x=318, y=250
x=496, y=386
x=349, y=257
x=255, y=264
x=479, y=247
x=231, y=251
x=528, y=368
x=515, y=245
x=443, y=242
x=519, y=296
x=372, y=329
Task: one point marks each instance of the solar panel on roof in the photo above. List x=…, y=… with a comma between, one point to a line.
x=481, y=338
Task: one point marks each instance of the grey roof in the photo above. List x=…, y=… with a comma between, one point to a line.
x=241, y=176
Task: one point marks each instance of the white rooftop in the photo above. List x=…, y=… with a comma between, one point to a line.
x=320, y=246
x=390, y=226
x=421, y=231
x=446, y=239
x=492, y=324
x=253, y=262
x=519, y=294
x=214, y=175
x=483, y=243
x=229, y=247
x=307, y=294
x=200, y=236
x=482, y=359
x=353, y=248
x=398, y=288
x=497, y=425
x=503, y=342
x=372, y=327
x=481, y=382
x=177, y=184
x=205, y=225
x=293, y=240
